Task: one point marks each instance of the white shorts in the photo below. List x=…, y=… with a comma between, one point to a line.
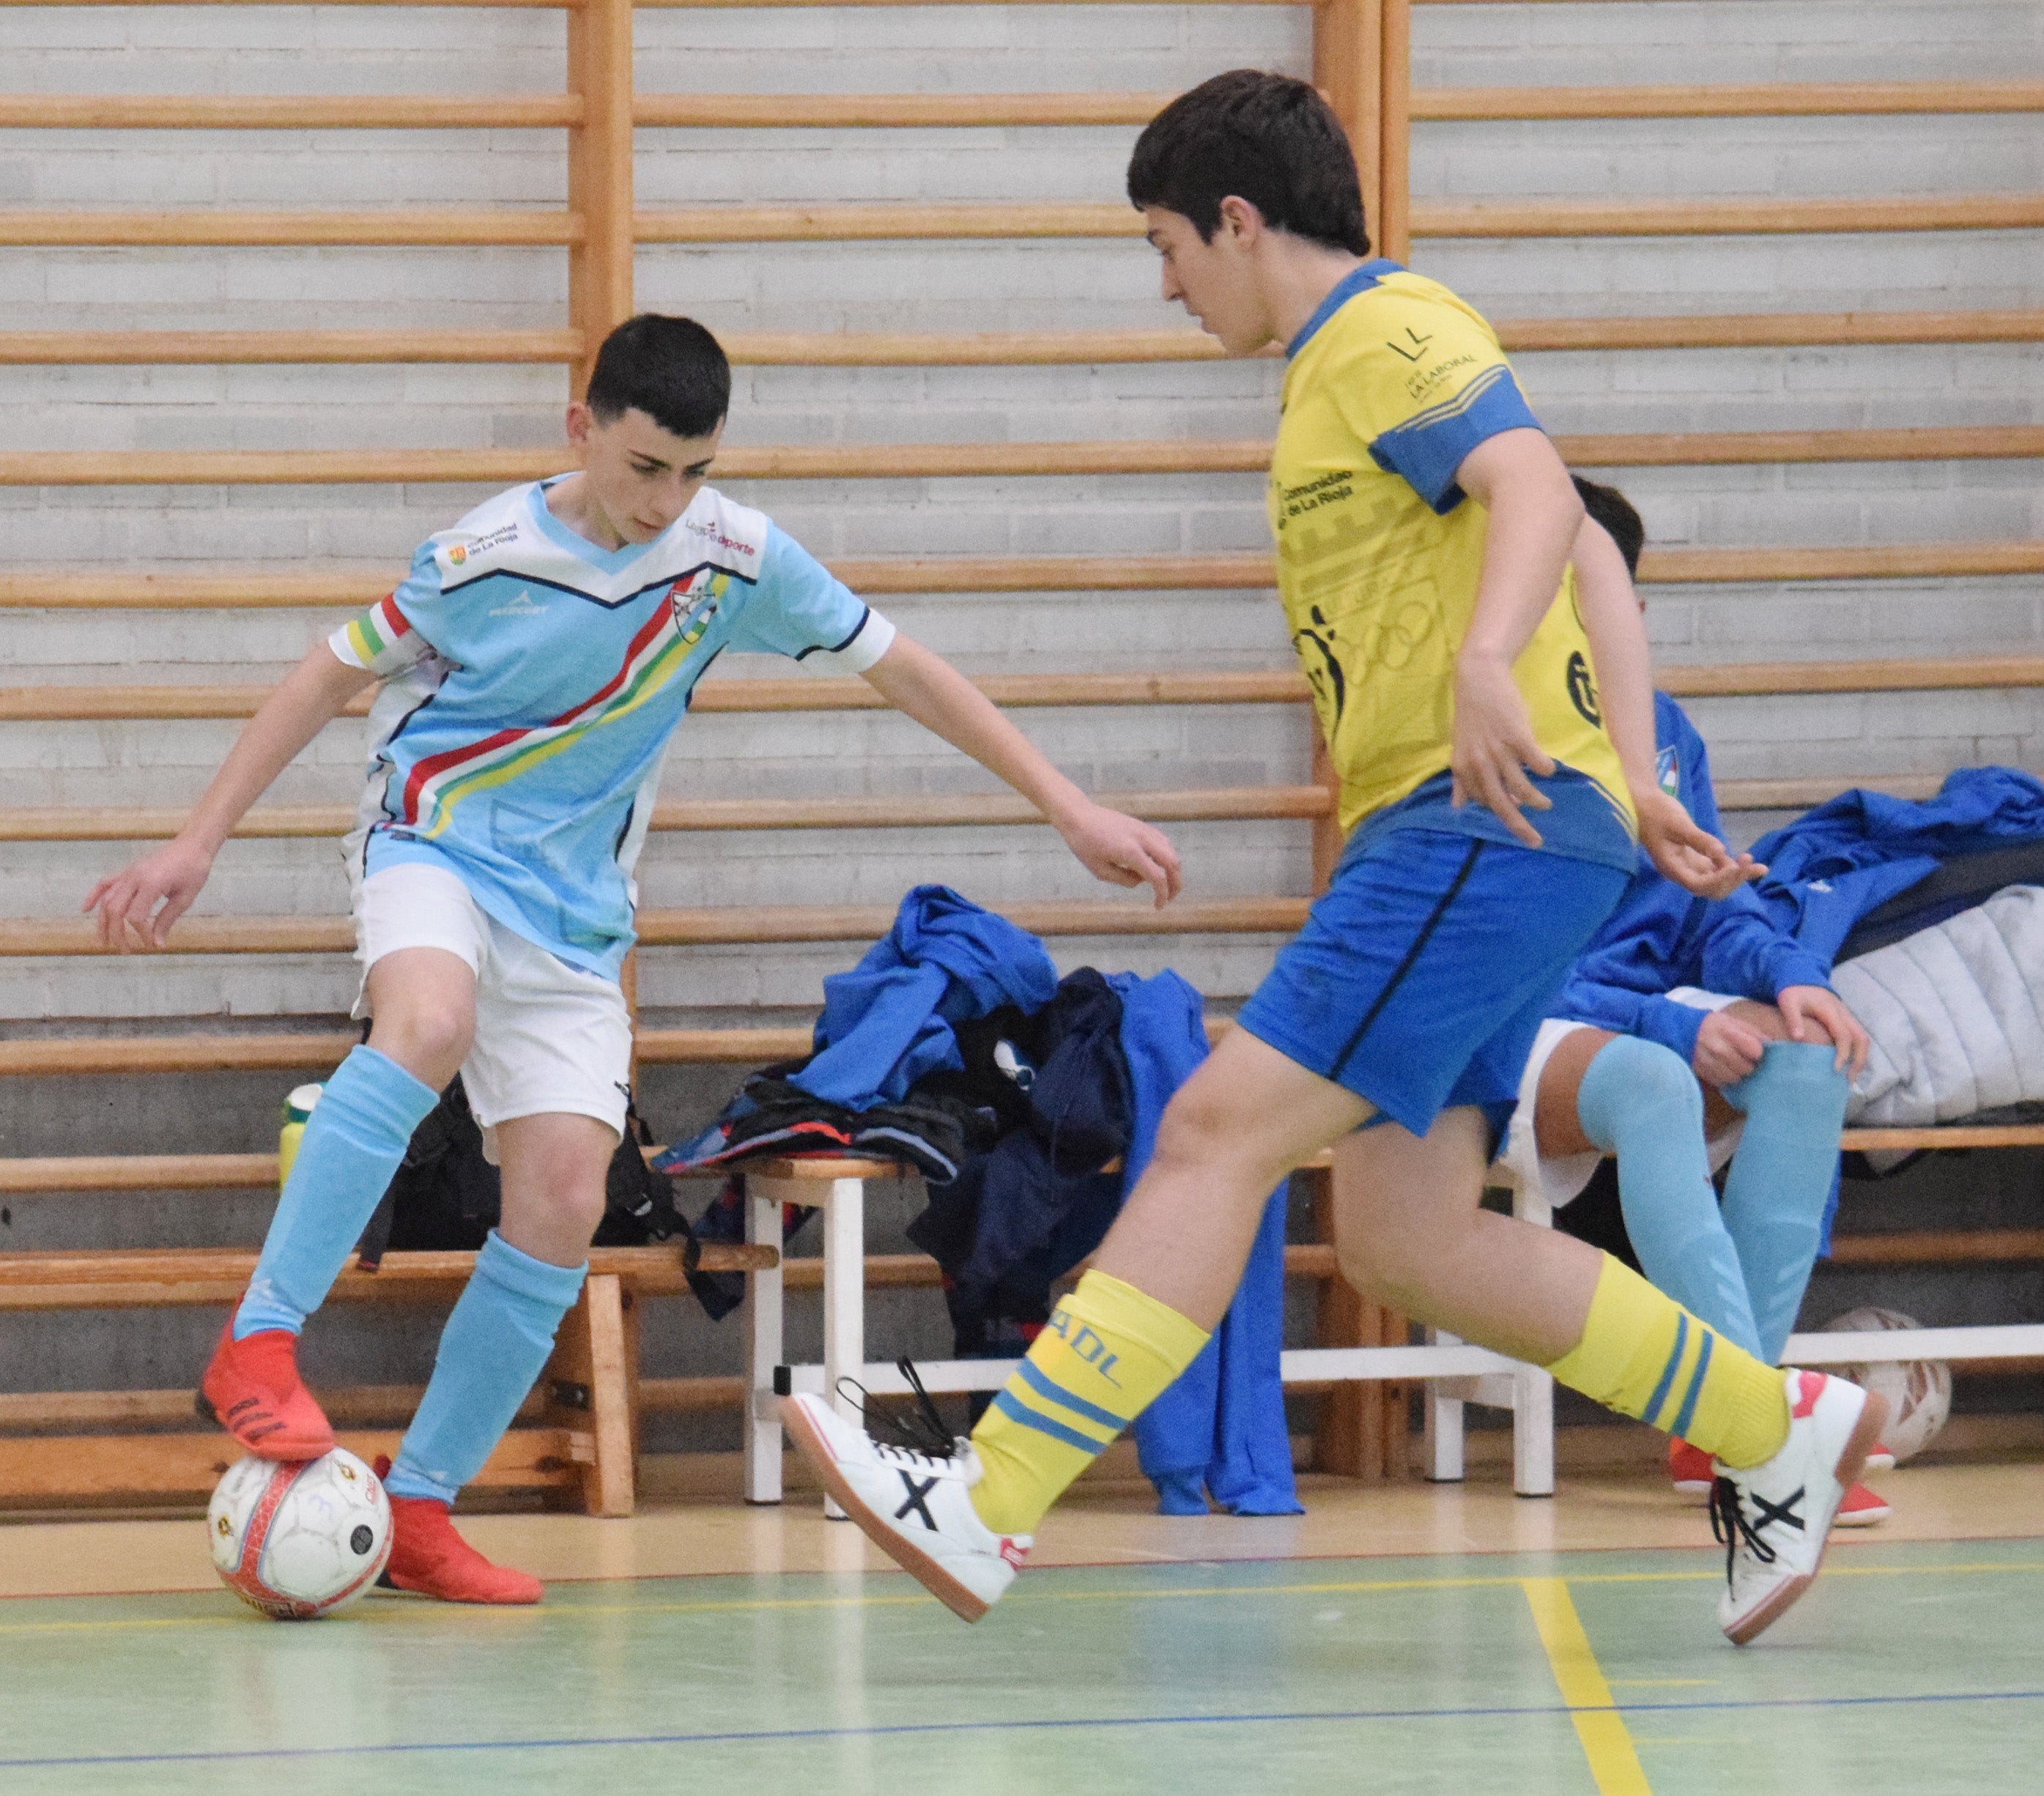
x=549, y=1037
x=1561, y=1180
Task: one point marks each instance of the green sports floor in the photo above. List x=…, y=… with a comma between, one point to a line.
x=1913, y=1666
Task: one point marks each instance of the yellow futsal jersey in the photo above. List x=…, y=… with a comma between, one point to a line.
x=1392, y=382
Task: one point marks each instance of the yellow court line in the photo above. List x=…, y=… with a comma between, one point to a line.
x=1606, y=1744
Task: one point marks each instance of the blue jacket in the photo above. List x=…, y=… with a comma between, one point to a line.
x=1832, y=865
x=1221, y=1424
x=888, y=1022
x=1661, y=937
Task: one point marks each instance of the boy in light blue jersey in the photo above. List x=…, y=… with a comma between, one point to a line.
x=532, y=665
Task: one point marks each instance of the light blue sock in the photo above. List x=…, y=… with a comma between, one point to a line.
x=1782, y=1177
x=1638, y=1100
x=492, y=1349
x=353, y=1142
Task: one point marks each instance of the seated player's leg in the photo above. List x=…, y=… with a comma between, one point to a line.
x=1636, y=1099
x=423, y=1000
x=547, y=1078
x=1159, y=1284
x=494, y=1345
x=1784, y=1170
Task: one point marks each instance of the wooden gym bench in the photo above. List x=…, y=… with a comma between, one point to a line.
x=583, y=1427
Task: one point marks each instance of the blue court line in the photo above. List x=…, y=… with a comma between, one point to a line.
x=796, y=1736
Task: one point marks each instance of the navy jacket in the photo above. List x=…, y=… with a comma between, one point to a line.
x=1661, y=937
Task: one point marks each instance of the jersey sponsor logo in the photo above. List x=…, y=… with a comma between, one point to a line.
x=1418, y=342
x=458, y=552
x=521, y=606
x=1328, y=489
x=1582, y=690
x=716, y=536
x=1418, y=386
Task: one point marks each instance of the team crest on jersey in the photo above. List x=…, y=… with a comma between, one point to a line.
x=709, y=596
x=1666, y=773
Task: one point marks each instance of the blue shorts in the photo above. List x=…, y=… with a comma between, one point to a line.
x=1425, y=968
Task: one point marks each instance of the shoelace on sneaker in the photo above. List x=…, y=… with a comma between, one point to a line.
x=919, y=1435
x=1729, y=1524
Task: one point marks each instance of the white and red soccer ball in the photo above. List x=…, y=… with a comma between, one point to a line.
x=1918, y=1391
x=297, y=1540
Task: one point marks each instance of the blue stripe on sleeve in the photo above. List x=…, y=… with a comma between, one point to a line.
x=1043, y=1425
x=1668, y=1372
x=1688, y=1410
x=1427, y=450
x=1056, y=1393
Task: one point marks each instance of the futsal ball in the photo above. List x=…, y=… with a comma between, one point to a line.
x=1918, y=1391
x=299, y=1540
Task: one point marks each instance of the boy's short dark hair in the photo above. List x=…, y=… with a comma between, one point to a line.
x=671, y=369
x=1264, y=138
x=1612, y=509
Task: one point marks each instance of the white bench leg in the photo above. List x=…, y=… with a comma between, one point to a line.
x=844, y=1300
x=1532, y=1390
x=763, y=1426
x=1441, y=1424
x=1532, y=1432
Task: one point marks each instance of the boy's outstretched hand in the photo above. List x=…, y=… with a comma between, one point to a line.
x=1123, y=851
x=1694, y=858
x=128, y=903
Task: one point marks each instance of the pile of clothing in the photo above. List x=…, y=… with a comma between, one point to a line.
x=1932, y=916
x=1030, y=1104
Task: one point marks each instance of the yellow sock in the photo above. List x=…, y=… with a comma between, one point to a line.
x=1644, y=1355
x=1106, y=1354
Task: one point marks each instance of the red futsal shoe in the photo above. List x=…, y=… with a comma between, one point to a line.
x=1862, y=1509
x=1689, y=1469
x=428, y=1557
x=251, y=1388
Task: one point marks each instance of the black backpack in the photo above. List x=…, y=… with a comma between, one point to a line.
x=445, y=1195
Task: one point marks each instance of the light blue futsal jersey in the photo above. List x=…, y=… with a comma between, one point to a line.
x=531, y=681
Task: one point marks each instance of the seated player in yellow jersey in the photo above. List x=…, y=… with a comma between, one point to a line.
x=1496, y=795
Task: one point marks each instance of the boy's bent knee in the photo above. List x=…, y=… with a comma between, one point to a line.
x=1206, y=1128
x=1633, y=1079
x=1793, y=1073
x=429, y=1042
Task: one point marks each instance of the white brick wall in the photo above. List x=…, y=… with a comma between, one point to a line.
x=967, y=286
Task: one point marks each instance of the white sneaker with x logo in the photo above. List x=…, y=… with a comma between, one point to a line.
x=916, y=1507
x=1774, y=1517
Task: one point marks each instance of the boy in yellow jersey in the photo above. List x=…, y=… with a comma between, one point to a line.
x=1496, y=800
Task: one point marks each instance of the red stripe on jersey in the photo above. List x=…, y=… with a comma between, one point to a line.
x=435, y=765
